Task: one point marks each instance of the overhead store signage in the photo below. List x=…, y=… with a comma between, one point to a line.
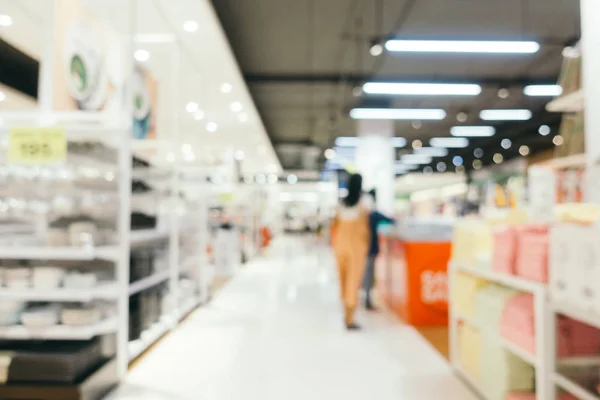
x=37, y=146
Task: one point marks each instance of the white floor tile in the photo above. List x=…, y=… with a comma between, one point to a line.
x=275, y=333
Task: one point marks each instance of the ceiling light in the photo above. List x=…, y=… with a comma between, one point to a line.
x=226, y=88
x=498, y=158
x=5, y=20
x=417, y=144
x=462, y=46
x=397, y=113
x=190, y=26
x=376, y=49
x=236, y=106
x=292, y=179
x=398, y=142
x=558, y=140
x=432, y=151
x=422, y=89
x=428, y=170
x=524, y=150
x=417, y=124
x=357, y=91
x=198, y=115
x=457, y=160
x=460, y=169
x=261, y=179
x=462, y=117
x=544, y=130
x=542, y=90
x=441, y=166
x=238, y=155
x=212, y=127
x=272, y=179
x=449, y=142
x=353, y=141
x=415, y=159
x=478, y=153
x=399, y=167
x=503, y=93
x=473, y=131
x=2, y=96
x=243, y=117
x=191, y=107
x=505, y=115
x=477, y=164
x=330, y=154
x=141, y=55
x=506, y=143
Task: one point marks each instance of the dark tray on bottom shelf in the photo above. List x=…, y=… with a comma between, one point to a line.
x=92, y=387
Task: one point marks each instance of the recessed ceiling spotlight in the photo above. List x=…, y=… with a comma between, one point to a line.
x=212, y=126
x=457, y=160
x=261, y=179
x=478, y=152
x=5, y=20
x=236, y=106
x=417, y=124
x=238, y=155
x=417, y=144
x=503, y=93
x=460, y=169
x=190, y=26
x=441, y=166
x=506, y=143
x=558, y=140
x=243, y=117
x=199, y=115
x=141, y=55
x=462, y=46
x=191, y=107
x=2, y=96
x=477, y=164
x=462, y=117
x=428, y=170
x=376, y=49
x=330, y=154
x=226, y=88
x=357, y=91
x=498, y=158
x=292, y=179
x=544, y=130
x=524, y=150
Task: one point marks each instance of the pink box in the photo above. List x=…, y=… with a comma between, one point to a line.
x=532, y=256
x=531, y=396
x=576, y=338
x=505, y=250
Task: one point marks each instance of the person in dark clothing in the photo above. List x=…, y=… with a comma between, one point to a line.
x=375, y=218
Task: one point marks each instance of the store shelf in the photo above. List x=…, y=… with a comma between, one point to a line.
x=59, y=332
x=148, y=282
x=101, y=292
x=587, y=316
x=568, y=385
x=512, y=281
x=137, y=237
x=507, y=344
x=149, y=337
x=572, y=102
x=578, y=361
x=59, y=253
x=468, y=379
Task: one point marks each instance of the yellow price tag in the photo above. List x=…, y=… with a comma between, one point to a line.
x=37, y=146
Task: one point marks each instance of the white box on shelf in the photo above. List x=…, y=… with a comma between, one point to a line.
x=561, y=256
x=581, y=269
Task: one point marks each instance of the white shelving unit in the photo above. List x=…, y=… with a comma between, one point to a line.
x=569, y=103
x=539, y=360
x=59, y=332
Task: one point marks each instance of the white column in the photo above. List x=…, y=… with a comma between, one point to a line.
x=590, y=45
x=375, y=158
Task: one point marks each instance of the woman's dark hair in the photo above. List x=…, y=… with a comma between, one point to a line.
x=354, y=190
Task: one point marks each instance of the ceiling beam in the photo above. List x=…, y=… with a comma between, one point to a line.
x=303, y=78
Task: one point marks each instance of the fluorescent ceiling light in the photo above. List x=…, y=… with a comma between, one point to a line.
x=190, y=26
x=432, y=151
x=449, y=142
x=398, y=113
x=473, y=131
x=142, y=55
x=5, y=20
x=543, y=90
x=400, y=167
x=353, y=141
x=505, y=115
x=416, y=159
x=398, y=142
x=462, y=46
x=425, y=89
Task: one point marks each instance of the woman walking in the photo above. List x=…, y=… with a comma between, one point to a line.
x=350, y=244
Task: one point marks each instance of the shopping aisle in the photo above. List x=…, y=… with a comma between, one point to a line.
x=275, y=333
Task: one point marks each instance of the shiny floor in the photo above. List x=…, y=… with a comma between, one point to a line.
x=275, y=333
